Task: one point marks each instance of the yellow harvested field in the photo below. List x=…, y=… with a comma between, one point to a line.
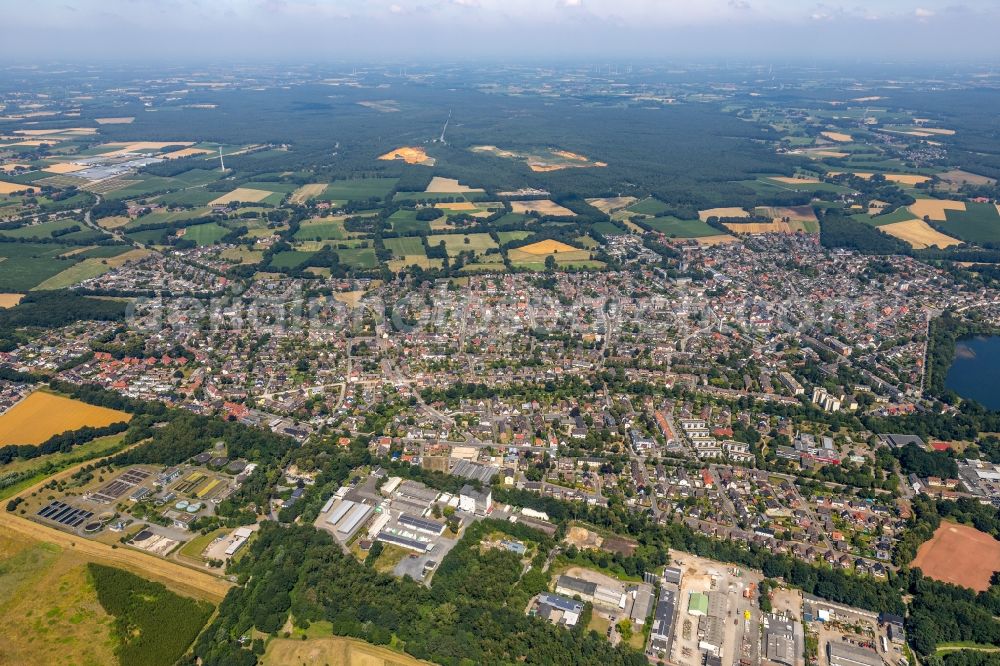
x=937, y=130
x=113, y=222
x=8, y=300
x=540, y=206
x=719, y=239
x=123, y=120
x=608, y=205
x=901, y=178
x=826, y=153
x=65, y=167
x=447, y=185
x=42, y=415
x=456, y=205
x=732, y=211
x=919, y=234
x=934, y=209
x=334, y=651
x=185, y=152
x=959, y=177
x=793, y=213
x=773, y=227
x=410, y=155
x=793, y=180
x=140, y=146
x=10, y=188
x=547, y=247
x=840, y=137
x=242, y=194
x=307, y=192
x=7, y=168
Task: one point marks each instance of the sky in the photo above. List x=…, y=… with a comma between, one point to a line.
x=427, y=30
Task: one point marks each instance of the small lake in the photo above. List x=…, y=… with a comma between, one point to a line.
x=975, y=370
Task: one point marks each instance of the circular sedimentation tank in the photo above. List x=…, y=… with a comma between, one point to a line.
x=194, y=507
x=183, y=504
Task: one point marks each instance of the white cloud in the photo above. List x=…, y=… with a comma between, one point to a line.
x=922, y=13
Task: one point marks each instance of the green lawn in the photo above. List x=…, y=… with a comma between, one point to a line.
x=508, y=236
x=196, y=197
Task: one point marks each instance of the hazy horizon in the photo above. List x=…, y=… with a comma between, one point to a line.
x=518, y=30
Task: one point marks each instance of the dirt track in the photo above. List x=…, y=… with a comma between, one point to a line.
x=175, y=576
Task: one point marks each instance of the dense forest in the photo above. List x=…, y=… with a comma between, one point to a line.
x=839, y=231
x=152, y=625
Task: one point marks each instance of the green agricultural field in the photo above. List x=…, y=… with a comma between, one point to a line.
x=198, y=196
x=677, y=228
x=404, y=246
x=43, y=230
x=321, y=229
x=196, y=177
x=650, y=206
x=148, y=185
x=362, y=258
x=978, y=223
x=510, y=218
x=23, y=273
x=150, y=236
x=104, y=251
x=159, y=217
x=456, y=243
x=405, y=221
x=898, y=215
x=290, y=259
x=205, y=234
x=84, y=270
x=358, y=189
x=436, y=196
x=508, y=236
x=283, y=188
x=608, y=229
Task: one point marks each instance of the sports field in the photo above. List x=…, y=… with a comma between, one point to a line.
x=42, y=415
x=959, y=554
